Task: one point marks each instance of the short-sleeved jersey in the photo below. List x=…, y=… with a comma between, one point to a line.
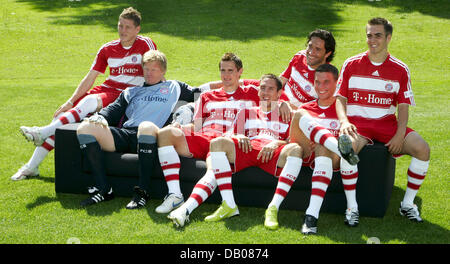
x=374, y=91
x=325, y=116
x=218, y=108
x=257, y=124
x=299, y=87
x=125, y=65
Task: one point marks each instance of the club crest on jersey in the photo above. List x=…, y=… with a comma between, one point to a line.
x=276, y=127
x=333, y=124
x=134, y=59
x=389, y=87
x=308, y=88
x=164, y=90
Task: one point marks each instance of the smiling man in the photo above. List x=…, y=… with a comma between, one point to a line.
x=298, y=78
x=317, y=122
x=214, y=113
x=258, y=137
x=143, y=110
x=374, y=85
x=123, y=57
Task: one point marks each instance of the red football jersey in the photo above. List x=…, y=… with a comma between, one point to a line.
x=218, y=108
x=325, y=116
x=374, y=91
x=300, y=85
x=125, y=65
x=257, y=124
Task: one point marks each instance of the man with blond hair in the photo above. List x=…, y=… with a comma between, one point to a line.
x=123, y=57
x=145, y=109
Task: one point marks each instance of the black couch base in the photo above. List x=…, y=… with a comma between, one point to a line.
x=252, y=186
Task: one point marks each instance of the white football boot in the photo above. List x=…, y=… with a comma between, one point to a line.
x=179, y=216
x=32, y=134
x=351, y=217
x=411, y=212
x=25, y=172
x=171, y=201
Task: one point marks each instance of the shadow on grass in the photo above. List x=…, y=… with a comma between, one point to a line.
x=42, y=178
x=392, y=227
x=72, y=202
x=198, y=19
x=217, y=20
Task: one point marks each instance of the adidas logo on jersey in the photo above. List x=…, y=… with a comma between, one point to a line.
x=375, y=73
x=322, y=115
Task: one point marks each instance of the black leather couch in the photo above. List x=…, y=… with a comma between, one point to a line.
x=252, y=187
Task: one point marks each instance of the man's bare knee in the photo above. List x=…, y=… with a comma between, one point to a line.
x=148, y=128
x=166, y=136
x=293, y=149
x=218, y=144
x=86, y=128
x=418, y=148
x=290, y=150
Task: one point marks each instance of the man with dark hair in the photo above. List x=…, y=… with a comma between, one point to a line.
x=372, y=86
x=124, y=58
x=317, y=122
x=298, y=78
x=214, y=113
x=257, y=138
x=388, y=28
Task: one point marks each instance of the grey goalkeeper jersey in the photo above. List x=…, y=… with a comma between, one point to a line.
x=153, y=103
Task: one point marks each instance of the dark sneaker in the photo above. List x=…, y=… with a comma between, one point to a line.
x=411, y=212
x=97, y=197
x=139, y=200
x=346, y=149
x=310, y=225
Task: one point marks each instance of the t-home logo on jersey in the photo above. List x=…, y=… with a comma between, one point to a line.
x=372, y=99
x=124, y=70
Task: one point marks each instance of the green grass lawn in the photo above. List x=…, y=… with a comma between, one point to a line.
x=48, y=46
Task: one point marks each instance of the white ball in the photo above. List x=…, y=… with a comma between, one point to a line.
x=184, y=114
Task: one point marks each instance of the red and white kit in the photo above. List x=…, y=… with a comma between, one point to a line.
x=300, y=85
x=218, y=110
x=373, y=93
x=125, y=67
x=261, y=128
x=327, y=118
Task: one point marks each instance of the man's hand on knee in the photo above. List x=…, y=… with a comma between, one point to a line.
x=97, y=120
